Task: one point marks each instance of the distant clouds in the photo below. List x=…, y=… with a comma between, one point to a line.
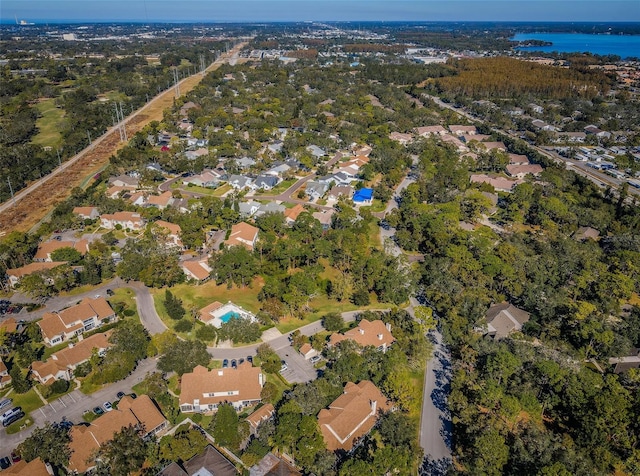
x=319, y=10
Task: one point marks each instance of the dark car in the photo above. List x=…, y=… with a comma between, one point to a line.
x=225, y=363
x=241, y=361
x=98, y=411
x=234, y=363
x=250, y=359
x=110, y=292
x=119, y=395
x=5, y=462
x=133, y=395
x=15, y=456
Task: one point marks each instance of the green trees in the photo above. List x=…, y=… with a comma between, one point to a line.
x=182, y=356
x=20, y=381
x=240, y=329
x=49, y=443
x=226, y=428
x=173, y=305
x=123, y=454
x=333, y=322
x=130, y=344
x=234, y=265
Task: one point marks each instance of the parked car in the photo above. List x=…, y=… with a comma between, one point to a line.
x=5, y=462
x=234, y=363
x=107, y=406
x=133, y=395
x=15, y=456
x=98, y=411
x=315, y=359
x=120, y=395
x=284, y=366
x=110, y=292
x=225, y=363
x=250, y=359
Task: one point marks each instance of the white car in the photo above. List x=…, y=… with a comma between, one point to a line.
x=284, y=366
x=315, y=359
x=107, y=406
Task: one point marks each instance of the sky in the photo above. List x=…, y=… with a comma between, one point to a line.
x=41, y=11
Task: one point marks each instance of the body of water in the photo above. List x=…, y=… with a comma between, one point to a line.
x=622, y=45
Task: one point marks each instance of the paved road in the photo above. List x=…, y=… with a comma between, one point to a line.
x=435, y=419
x=146, y=309
x=74, y=404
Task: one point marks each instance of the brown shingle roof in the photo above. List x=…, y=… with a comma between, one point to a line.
x=33, y=268
x=351, y=415
x=197, y=269
x=53, y=324
x=213, y=387
x=48, y=247
x=373, y=333
x=242, y=234
x=293, y=213
x=205, y=312
x=85, y=441
x=263, y=413
x=73, y=355
x=35, y=467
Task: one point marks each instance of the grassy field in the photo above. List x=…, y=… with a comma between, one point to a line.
x=197, y=297
x=217, y=192
x=49, y=124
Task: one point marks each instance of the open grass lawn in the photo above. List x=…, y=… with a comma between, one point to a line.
x=417, y=381
x=49, y=124
x=19, y=425
x=126, y=296
x=279, y=382
x=376, y=206
x=278, y=189
x=197, y=297
x=28, y=401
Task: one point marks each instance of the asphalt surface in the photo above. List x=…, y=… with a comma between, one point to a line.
x=74, y=404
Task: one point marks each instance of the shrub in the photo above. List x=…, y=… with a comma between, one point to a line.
x=183, y=325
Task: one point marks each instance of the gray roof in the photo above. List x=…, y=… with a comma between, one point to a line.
x=504, y=318
x=317, y=188
x=271, y=207
x=266, y=181
x=317, y=151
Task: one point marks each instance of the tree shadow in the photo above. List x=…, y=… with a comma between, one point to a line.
x=431, y=467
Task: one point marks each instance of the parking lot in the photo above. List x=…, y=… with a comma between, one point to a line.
x=299, y=370
x=64, y=407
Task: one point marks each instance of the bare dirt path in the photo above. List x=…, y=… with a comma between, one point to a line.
x=35, y=201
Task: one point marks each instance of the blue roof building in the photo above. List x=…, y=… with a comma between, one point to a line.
x=364, y=195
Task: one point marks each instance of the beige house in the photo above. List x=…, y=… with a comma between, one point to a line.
x=61, y=364
x=196, y=270
x=59, y=326
x=204, y=390
x=351, y=415
x=86, y=213
x=243, y=234
x=87, y=440
x=15, y=275
x=520, y=171
x=427, y=131
x=375, y=333
x=5, y=378
x=130, y=220
x=264, y=413
x=173, y=233
x=45, y=249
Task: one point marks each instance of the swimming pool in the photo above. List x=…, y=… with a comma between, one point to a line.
x=229, y=315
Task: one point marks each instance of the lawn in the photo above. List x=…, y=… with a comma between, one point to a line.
x=127, y=297
x=279, y=382
x=213, y=192
x=28, y=401
x=197, y=297
x=49, y=124
x=278, y=189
